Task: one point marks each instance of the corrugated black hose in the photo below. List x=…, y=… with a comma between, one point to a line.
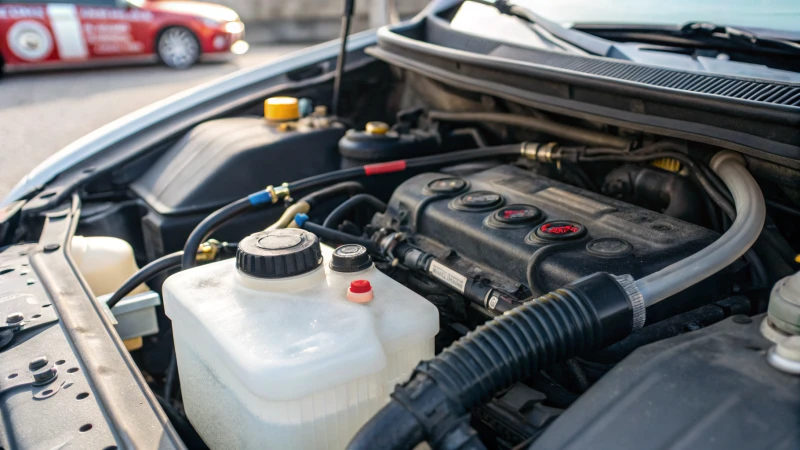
x=434, y=405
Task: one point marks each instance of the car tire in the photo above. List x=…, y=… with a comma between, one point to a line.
x=178, y=47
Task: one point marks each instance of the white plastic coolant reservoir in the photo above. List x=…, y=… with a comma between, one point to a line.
x=279, y=349
x=105, y=263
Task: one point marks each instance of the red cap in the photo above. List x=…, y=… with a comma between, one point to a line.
x=360, y=286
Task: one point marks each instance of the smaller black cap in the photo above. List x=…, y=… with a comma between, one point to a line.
x=449, y=185
x=350, y=258
x=477, y=201
x=279, y=253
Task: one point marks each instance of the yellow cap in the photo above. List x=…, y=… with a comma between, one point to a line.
x=668, y=164
x=377, y=127
x=133, y=343
x=281, y=108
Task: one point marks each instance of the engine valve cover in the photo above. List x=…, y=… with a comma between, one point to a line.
x=499, y=223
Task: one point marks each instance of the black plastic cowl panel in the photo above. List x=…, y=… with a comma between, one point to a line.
x=731, y=87
x=754, y=116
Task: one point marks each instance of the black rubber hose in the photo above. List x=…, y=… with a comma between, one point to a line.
x=759, y=272
x=398, y=430
x=577, y=374
x=783, y=208
x=463, y=155
x=338, y=237
x=348, y=188
x=546, y=126
x=337, y=215
x=649, y=148
x=203, y=230
x=166, y=262
x=185, y=430
x=471, y=132
x=712, y=212
x=434, y=404
x=171, y=376
x=421, y=162
x=538, y=258
x=324, y=179
x=718, y=184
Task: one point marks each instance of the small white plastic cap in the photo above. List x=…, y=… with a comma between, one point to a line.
x=784, y=304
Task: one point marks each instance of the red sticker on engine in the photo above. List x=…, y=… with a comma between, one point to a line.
x=549, y=228
x=560, y=230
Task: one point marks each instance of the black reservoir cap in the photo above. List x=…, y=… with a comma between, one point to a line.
x=278, y=253
x=350, y=258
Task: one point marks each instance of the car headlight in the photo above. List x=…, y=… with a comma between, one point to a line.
x=234, y=27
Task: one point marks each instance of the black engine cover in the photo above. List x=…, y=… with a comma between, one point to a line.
x=496, y=223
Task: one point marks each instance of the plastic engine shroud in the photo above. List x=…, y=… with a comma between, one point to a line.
x=570, y=233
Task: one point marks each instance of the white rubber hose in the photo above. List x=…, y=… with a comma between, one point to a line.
x=750, y=214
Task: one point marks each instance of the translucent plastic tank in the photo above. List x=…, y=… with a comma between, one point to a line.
x=104, y=262
x=279, y=350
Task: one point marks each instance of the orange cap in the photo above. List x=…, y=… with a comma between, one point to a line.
x=280, y=109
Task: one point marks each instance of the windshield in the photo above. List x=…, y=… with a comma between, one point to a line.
x=771, y=14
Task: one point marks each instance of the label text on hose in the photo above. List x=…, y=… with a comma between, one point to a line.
x=448, y=276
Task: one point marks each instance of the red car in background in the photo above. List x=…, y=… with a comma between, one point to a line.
x=52, y=34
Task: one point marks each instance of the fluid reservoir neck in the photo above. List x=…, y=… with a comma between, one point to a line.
x=296, y=283
x=784, y=305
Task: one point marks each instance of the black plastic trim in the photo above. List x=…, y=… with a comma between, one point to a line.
x=744, y=89
x=773, y=131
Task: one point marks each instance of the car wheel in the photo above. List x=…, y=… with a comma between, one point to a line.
x=178, y=48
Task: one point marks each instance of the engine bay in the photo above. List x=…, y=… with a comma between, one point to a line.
x=446, y=267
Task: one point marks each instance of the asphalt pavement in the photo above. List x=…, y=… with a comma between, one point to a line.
x=40, y=113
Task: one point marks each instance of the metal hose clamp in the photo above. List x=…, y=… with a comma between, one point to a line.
x=635, y=298
x=279, y=192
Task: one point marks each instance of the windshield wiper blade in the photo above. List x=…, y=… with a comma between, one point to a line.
x=738, y=38
x=583, y=41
